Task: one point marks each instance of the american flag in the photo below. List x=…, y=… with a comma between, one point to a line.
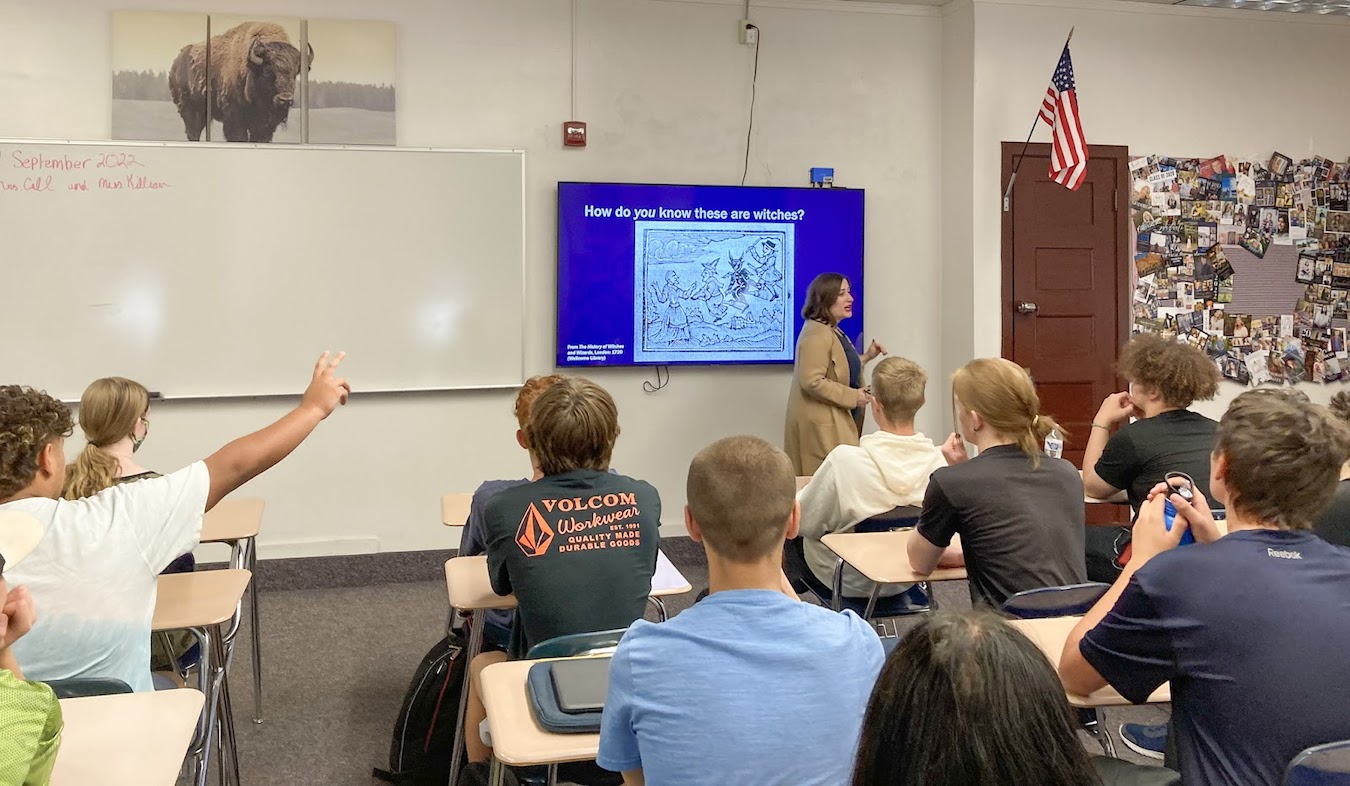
x=1059, y=109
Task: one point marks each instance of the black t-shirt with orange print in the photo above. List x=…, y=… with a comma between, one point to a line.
x=577, y=549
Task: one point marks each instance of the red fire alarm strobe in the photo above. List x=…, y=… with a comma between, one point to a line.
x=574, y=134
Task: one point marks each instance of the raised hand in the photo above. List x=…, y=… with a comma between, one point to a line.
x=326, y=391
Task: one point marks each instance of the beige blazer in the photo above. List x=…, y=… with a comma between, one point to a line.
x=820, y=403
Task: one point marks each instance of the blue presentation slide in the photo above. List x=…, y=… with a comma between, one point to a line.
x=701, y=275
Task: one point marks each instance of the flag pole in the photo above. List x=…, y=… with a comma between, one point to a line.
x=1007, y=192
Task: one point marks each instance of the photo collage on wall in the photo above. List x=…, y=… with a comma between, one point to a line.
x=256, y=79
x=1185, y=211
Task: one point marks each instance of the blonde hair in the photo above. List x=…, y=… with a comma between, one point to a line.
x=109, y=410
x=898, y=384
x=573, y=425
x=1002, y=394
x=741, y=491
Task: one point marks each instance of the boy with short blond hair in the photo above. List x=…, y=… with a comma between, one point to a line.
x=886, y=470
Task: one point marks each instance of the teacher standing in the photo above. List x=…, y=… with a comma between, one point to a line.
x=827, y=401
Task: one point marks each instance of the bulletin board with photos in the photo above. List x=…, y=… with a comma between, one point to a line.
x=1186, y=211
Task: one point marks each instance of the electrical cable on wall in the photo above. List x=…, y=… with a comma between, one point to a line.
x=650, y=388
x=754, y=80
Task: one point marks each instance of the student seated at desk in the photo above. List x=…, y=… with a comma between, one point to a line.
x=1333, y=525
x=115, y=419
x=1165, y=378
x=886, y=470
x=1250, y=628
x=1019, y=512
x=956, y=679
x=703, y=698
x=578, y=546
x=94, y=573
x=30, y=716
x=474, y=539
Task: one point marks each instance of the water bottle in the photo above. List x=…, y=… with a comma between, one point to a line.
x=1054, y=445
x=1170, y=510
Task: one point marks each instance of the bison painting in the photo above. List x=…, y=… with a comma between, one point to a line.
x=250, y=82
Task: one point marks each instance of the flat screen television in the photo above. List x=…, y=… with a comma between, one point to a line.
x=697, y=275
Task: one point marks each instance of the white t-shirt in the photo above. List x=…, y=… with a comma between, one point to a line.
x=93, y=576
x=883, y=471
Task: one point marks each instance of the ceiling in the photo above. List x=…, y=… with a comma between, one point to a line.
x=1312, y=7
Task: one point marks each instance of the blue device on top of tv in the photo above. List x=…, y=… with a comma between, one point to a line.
x=698, y=275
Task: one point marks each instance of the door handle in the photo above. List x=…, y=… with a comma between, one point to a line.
x=1027, y=307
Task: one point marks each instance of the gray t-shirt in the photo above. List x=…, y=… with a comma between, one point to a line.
x=1021, y=526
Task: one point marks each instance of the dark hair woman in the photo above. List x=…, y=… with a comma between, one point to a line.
x=826, y=403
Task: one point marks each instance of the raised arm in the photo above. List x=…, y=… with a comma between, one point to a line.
x=243, y=459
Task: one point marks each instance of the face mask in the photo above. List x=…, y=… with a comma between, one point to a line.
x=136, y=441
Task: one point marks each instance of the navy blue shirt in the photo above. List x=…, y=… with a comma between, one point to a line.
x=1253, y=632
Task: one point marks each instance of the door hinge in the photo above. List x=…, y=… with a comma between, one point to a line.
x=1005, y=204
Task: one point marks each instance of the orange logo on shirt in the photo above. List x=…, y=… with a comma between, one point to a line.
x=534, y=535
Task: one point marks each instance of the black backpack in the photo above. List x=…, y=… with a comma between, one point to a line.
x=424, y=732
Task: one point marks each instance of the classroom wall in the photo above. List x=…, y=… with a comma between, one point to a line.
x=1161, y=79
x=665, y=87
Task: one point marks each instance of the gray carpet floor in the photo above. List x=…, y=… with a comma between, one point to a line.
x=337, y=662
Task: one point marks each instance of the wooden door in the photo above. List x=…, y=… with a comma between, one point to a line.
x=1066, y=283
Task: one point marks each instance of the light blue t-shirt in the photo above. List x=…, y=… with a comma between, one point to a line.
x=747, y=686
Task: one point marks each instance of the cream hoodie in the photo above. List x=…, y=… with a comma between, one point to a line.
x=884, y=471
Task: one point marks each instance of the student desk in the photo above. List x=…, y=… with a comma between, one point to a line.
x=128, y=739
x=236, y=522
x=517, y=738
x=1051, y=634
x=470, y=589
x=455, y=508
x=207, y=604
x=1121, y=497
x=883, y=557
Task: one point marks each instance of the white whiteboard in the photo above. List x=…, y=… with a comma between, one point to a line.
x=223, y=270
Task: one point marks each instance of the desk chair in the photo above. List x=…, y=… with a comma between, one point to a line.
x=571, y=646
x=1067, y=601
x=1072, y=601
x=81, y=687
x=803, y=579
x=1321, y=765
x=598, y=643
x=455, y=508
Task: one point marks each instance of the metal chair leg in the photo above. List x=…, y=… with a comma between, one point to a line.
x=251, y=549
x=552, y=777
x=836, y=603
x=229, y=747
x=660, y=608
x=1091, y=721
x=932, y=597
x=201, y=743
x=872, y=601
x=475, y=646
